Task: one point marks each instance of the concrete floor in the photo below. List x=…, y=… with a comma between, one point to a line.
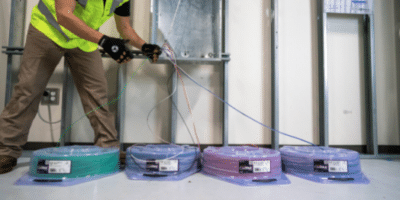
x=383, y=174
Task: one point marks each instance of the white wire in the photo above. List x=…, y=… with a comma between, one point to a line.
x=45, y=121
x=148, y=116
x=170, y=30
x=51, y=125
x=173, y=19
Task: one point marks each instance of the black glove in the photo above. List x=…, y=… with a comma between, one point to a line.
x=116, y=48
x=151, y=51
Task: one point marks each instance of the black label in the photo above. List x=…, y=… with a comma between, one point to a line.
x=152, y=166
x=320, y=166
x=331, y=166
x=42, y=167
x=245, y=167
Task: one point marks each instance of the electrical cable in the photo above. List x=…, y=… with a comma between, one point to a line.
x=244, y=165
x=166, y=48
x=168, y=52
x=169, y=162
x=51, y=125
x=323, y=164
x=158, y=104
x=73, y=162
x=45, y=121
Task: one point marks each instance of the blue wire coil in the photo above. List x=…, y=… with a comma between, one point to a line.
x=145, y=162
x=323, y=164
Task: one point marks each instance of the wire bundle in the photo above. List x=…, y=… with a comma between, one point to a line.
x=323, y=164
x=161, y=162
x=70, y=165
x=244, y=165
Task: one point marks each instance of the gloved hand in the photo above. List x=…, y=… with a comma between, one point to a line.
x=151, y=51
x=116, y=48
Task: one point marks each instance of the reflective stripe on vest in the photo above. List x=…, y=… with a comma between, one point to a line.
x=83, y=3
x=46, y=12
x=50, y=18
x=114, y=6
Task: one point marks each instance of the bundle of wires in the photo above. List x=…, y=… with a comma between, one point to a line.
x=65, y=166
x=323, y=164
x=244, y=165
x=161, y=162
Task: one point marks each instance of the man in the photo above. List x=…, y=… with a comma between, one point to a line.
x=68, y=28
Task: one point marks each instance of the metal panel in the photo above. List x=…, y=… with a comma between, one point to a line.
x=194, y=32
x=275, y=74
x=362, y=7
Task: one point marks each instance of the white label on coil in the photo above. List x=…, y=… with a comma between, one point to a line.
x=261, y=166
x=337, y=166
x=168, y=165
x=59, y=166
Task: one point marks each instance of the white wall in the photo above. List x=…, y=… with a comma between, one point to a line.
x=345, y=68
x=249, y=80
x=249, y=71
x=298, y=71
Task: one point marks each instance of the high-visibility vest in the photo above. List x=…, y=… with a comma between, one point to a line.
x=92, y=12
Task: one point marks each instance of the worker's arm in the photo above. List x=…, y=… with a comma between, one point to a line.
x=65, y=17
x=127, y=32
x=113, y=46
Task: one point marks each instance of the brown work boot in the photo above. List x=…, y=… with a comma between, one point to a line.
x=7, y=163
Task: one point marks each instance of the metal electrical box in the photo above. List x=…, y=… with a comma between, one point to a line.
x=364, y=7
x=192, y=28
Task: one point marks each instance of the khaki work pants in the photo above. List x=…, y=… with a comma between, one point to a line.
x=40, y=58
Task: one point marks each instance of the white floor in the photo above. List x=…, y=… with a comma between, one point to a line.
x=383, y=174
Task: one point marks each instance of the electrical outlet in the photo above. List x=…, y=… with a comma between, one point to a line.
x=51, y=96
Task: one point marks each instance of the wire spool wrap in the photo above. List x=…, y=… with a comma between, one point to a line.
x=70, y=165
x=323, y=164
x=244, y=165
x=85, y=161
x=161, y=162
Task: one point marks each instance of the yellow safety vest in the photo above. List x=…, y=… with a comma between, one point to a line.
x=92, y=12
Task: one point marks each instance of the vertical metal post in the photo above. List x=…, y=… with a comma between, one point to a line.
x=275, y=74
x=370, y=84
x=120, y=118
x=174, y=114
x=67, y=101
x=16, y=39
x=323, y=76
x=121, y=82
x=226, y=74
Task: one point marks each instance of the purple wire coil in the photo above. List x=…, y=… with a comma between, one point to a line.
x=323, y=164
x=244, y=165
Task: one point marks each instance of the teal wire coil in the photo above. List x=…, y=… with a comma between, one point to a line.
x=73, y=162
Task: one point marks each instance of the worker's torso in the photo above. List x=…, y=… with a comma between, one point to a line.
x=93, y=12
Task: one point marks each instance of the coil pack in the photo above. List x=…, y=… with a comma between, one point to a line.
x=323, y=164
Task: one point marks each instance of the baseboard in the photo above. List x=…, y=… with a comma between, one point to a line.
x=382, y=149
